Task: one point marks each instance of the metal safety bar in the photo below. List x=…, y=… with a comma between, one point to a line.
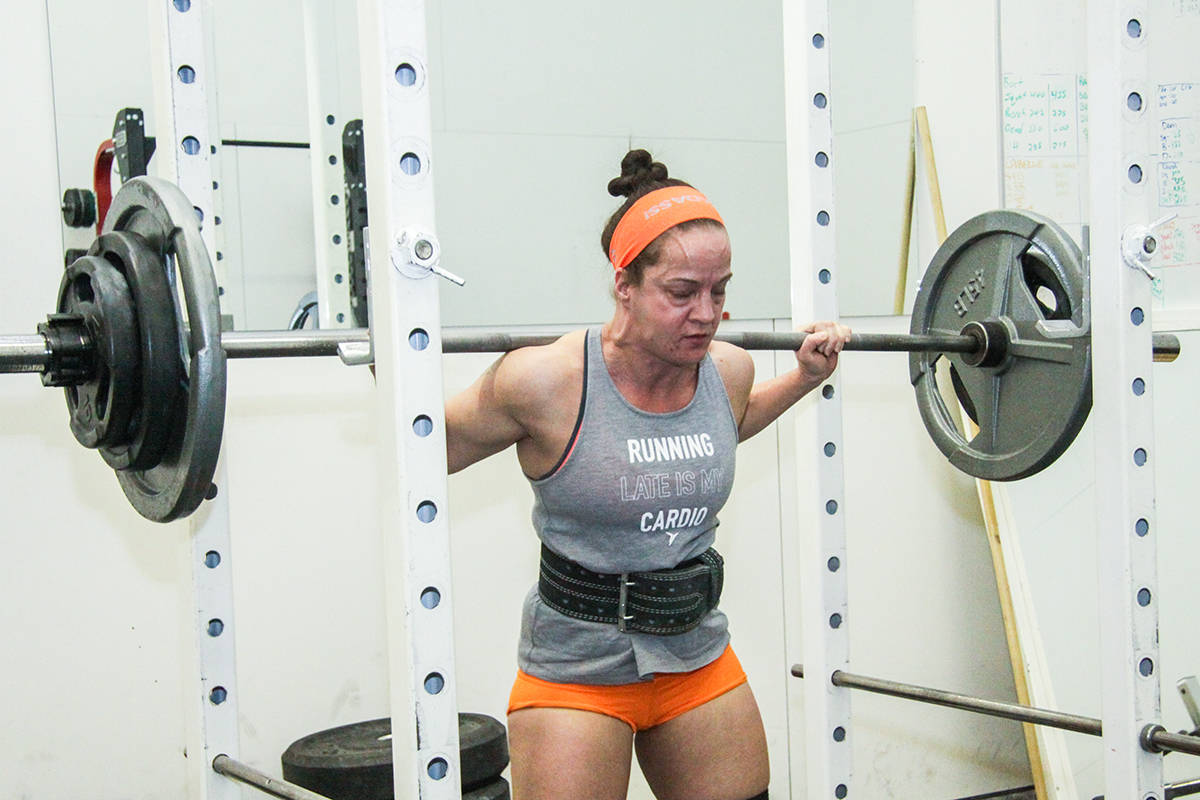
x=32, y=354
x=224, y=765
x=1154, y=738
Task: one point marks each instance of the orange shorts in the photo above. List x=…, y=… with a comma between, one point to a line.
x=640, y=705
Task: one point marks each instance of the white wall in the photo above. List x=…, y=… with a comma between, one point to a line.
x=93, y=595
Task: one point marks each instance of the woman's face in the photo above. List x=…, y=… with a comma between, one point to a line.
x=677, y=307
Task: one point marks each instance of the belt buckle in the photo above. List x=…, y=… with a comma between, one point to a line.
x=622, y=600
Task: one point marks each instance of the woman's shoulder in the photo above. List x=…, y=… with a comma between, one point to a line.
x=531, y=374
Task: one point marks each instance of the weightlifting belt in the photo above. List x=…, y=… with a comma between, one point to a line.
x=664, y=602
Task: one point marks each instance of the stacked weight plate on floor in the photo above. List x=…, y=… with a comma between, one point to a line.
x=1015, y=281
x=354, y=762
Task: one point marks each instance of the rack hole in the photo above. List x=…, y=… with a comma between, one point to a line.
x=835, y=621
x=1139, y=457
x=438, y=768
x=822, y=217
x=430, y=597
x=1134, y=101
x=1137, y=316
x=1146, y=667
x=834, y=564
x=218, y=695
x=190, y=145
x=827, y=391
x=406, y=74
x=215, y=627
x=830, y=448
x=820, y=100
x=1143, y=597
x=831, y=507
x=418, y=339
x=212, y=559
x=426, y=511
x=1141, y=527
x=1135, y=173
x=422, y=426
x=410, y=164
x=186, y=74
x=818, y=41
x=824, y=276
x=183, y=5
x=822, y=159
x=1139, y=387
x=1134, y=29
x=434, y=683
x=839, y=734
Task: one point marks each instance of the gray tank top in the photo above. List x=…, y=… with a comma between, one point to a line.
x=635, y=491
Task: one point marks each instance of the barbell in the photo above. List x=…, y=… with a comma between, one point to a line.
x=136, y=344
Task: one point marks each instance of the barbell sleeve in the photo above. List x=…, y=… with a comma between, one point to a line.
x=1154, y=738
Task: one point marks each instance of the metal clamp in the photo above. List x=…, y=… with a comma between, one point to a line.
x=1139, y=243
x=622, y=602
x=417, y=253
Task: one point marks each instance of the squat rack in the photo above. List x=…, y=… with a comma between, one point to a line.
x=407, y=346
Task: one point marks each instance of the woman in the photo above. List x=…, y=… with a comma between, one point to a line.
x=627, y=433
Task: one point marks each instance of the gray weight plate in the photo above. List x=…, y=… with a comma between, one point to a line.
x=160, y=214
x=1022, y=276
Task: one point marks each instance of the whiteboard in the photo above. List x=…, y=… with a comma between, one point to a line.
x=1044, y=98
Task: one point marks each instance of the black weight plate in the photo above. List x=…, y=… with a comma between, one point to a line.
x=160, y=214
x=354, y=762
x=483, y=747
x=1022, y=272
x=102, y=407
x=162, y=373
x=495, y=790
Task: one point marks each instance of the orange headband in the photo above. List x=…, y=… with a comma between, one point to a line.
x=651, y=216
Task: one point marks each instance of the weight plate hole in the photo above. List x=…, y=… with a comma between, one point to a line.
x=960, y=391
x=1045, y=286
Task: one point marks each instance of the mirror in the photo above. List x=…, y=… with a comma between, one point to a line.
x=533, y=106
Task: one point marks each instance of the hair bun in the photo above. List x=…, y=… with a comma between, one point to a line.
x=637, y=169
